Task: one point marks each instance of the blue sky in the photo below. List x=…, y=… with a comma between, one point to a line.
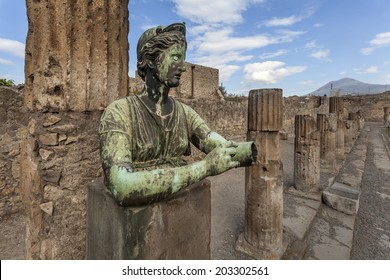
x=296, y=45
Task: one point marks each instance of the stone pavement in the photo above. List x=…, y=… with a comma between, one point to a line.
x=333, y=234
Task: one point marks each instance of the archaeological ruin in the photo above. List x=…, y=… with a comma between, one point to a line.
x=49, y=152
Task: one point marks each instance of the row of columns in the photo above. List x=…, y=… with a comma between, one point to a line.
x=318, y=140
x=322, y=141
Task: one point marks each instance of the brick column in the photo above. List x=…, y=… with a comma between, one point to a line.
x=76, y=54
x=327, y=125
x=306, y=154
x=262, y=238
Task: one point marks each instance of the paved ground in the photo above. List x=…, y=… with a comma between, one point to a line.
x=372, y=225
x=312, y=229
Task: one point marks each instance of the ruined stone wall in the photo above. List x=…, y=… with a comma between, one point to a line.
x=13, y=120
x=229, y=118
x=371, y=107
x=296, y=105
x=197, y=82
x=60, y=157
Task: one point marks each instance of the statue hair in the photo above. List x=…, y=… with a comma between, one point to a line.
x=155, y=46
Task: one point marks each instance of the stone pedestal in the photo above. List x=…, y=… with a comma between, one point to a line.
x=177, y=228
x=327, y=125
x=263, y=235
x=306, y=154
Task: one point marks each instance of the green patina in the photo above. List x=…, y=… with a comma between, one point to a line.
x=143, y=138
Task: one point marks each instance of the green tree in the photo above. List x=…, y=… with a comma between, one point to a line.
x=223, y=90
x=7, y=83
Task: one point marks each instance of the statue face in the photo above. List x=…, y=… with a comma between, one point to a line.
x=169, y=65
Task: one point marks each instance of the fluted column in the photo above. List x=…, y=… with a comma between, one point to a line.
x=76, y=54
x=327, y=125
x=306, y=154
x=353, y=117
x=336, y=107
x=262, y=238
x=386, y=116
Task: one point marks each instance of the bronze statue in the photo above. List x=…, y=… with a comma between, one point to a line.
x=143, y=138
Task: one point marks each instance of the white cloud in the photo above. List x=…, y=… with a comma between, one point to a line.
x=216, y=11
x=214, y=60
x=318, y=25
x=342, y=73
x=274, y=54
x=270, y=72
x=290, y=20
x=311, y=45
x=221, y=41
x=368, y=70
x=320, y=54
x=380, y=40
x=287, y=21
x=12, y=47
x=372, y=69
x=5, y=61
x=308, y=82
x=226, y=71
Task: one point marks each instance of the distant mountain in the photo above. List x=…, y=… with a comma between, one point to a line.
x=349, y=86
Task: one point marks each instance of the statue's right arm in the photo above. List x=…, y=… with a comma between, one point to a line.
x=142, y=187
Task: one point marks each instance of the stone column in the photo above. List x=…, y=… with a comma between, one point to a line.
x=386, y=116
x=262, y=238
x=353, y=117
x=306, y=154
x=327, y=125
x=336, y=107
x=76, y=54
x=348, y=124
x=76, y=63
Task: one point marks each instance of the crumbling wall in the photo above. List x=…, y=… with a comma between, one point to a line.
x=370, y=106
x=13, y=120
x=60, y=158
x=229, y=118
x=197, y=82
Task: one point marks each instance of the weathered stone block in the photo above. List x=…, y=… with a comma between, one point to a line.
x=51, y=120
x=176, y=228
x=49, y=139
x=342, y=198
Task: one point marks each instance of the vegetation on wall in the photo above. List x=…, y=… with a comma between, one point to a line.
x=7, y=83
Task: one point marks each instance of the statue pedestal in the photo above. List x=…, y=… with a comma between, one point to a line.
x=176, y=228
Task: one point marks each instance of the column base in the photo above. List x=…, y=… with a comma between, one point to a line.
x=243, y=246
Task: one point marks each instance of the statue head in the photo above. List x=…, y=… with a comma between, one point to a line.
x=160, y=47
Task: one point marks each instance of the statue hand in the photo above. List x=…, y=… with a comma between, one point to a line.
x=220, y=159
